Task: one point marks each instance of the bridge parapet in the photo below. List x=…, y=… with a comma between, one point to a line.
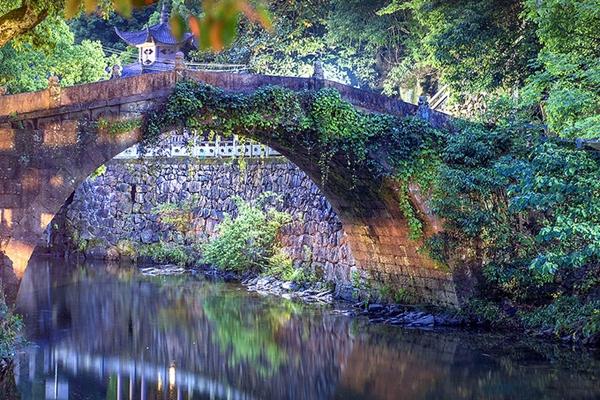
x=155, y=86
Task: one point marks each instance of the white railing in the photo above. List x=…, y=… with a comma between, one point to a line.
x=185, y=146
x=438, y=99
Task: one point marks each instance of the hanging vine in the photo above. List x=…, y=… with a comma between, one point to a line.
x=367, y=145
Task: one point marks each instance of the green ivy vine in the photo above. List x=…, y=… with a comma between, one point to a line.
x=115, y=128
x=369, y=146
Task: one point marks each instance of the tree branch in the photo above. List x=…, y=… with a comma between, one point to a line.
x=19, y=21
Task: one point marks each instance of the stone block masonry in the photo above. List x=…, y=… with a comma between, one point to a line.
x=46, y=168
x=120, y=205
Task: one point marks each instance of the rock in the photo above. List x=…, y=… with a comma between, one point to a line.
x=147, y=235
x=375, y=308
x=289, y=286
x=426, y=320
x=164, y=270
x=445, y=320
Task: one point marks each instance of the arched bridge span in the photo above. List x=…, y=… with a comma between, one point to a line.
x=47, y=148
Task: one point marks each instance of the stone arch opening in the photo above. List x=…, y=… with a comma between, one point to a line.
x=50, y=150
x=104, y=220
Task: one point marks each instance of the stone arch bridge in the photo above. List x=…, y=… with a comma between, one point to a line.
x=46, y=152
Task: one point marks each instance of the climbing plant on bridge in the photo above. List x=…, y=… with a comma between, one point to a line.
x=370, y=146
x=526, y=212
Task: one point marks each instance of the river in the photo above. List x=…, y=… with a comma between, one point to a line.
x=98, y=331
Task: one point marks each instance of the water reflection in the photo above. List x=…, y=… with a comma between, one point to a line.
x=107, y=332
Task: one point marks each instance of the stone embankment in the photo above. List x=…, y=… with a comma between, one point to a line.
x=118, y=209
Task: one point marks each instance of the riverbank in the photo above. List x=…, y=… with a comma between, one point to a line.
x=94, y=322
x=384, y=313
x=11, y=328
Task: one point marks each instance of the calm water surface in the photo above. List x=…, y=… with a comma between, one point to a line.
x=107, y=332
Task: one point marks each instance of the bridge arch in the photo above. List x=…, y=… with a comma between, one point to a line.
x=48, y=147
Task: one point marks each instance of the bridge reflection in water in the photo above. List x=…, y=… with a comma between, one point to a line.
x=107, y=332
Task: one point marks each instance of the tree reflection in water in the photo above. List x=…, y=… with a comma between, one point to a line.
x=102, y=331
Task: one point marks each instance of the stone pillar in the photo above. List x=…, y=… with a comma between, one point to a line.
x=424, y=111
x=116, y=72
x=318, y=70
x=179, y=65
x=318, y=77
x=54, y=90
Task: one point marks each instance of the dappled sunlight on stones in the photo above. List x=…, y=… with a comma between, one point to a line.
x=60, y=133
x=7, y=139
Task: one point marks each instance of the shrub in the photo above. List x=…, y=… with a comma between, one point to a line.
x=281, y=266
x=566, y=315
x=522, y=208
x=177, y=215
x=11, y=326
x=127, y=249
x=247, y=241
x=163, y=253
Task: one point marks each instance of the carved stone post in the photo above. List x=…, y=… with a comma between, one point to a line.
x=116, y=72
x=54, y=90
x=423, y=110
x=179, y=65
x=318, y=70
x=318, y=75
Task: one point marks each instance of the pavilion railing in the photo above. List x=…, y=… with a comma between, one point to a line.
x=186, y=146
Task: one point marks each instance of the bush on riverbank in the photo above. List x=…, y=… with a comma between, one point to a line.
x=10, y=330
x=165, y=253
x=249, y=240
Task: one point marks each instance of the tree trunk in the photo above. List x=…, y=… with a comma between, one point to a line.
x=20, y=21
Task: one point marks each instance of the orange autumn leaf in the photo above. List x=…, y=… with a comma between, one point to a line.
x=72, y=8
x=194, y=24
x=216, y=40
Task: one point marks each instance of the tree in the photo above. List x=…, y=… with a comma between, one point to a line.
x=475, y=45
x=356, y=45
x=566, y=89
x=215, y=28
x=18, y=17
x=26, y=67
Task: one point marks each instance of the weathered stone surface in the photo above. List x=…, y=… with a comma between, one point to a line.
x=48, y=171
x=315, y=237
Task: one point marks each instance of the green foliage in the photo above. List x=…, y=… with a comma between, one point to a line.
x=403, y=296
x=523, y=209
x=127, y=249
x=247, y=241
x=166, y=253
x=566, y=90
x=281, y=266
x=11, y=327
x=177, y=215
x=476, y=45
x=26, y=65
x=355, y=45
x=488, y=312
x=100, y=28
x=115, y=128
x=101, y=170
x=566, y=316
